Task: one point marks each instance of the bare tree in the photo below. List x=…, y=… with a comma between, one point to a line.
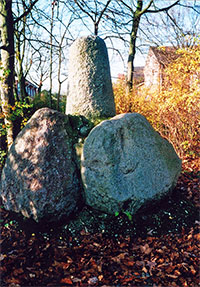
x=183, y=23
x=20, y=45
x=7, y=65
x=94, y=10
x=40, y=67
x=61, y=58
x=7, y=23
x=122, y=18
x=137, y=11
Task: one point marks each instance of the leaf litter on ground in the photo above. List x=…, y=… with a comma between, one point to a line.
x=157, y=247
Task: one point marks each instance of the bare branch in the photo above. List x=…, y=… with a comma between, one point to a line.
x=163, y=9
x=102, y=12
x=26, y=12
x=85, y=11
x=145, y=9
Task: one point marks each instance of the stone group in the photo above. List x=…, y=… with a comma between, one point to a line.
x=60, y=162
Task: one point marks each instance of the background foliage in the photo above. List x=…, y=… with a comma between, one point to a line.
x=21, y=113
x=174, y=111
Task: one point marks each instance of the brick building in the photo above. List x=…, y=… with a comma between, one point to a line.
x=157, y=59
x=31, y=89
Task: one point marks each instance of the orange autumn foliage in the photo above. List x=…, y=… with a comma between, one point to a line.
x=174, y=111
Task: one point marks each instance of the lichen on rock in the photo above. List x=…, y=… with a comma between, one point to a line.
x=126, y=163
x=90, y=88
x=41, y=178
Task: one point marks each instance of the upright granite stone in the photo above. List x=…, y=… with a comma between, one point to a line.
x=90, y=89
x=40, y=178
x=126, y=163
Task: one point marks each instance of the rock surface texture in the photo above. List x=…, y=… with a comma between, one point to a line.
x=90, y=88
x=40, y=178
x=126, y=163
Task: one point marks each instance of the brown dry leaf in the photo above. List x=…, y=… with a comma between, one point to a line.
x=69, y=259
x=2, y=257
x=66, y=281
x=123, y=244
x=65, y=265
x=84, y=232
x=174, y=284
x=16, y=272
x=56, y=263
x=93, y=262
x=172, y=276
x=13, y=280
x=192, y=270
x=99, y=267
x=145, y=249
x=100, y=277
x=139, y=263
x=47, y=246
x=177, y=273
x=185, y=266
x=76, y=280
x=151, y=265
x=160, y=251
x=144, y=269
x=129, y=263
x=62, y=265
x=170, y=269
x=119, y=257
x=185, y=284
x=97, y=244
x=197, y=236
x=50, y=269
x=93, y=281
x=130, y=279
x=30, y=269
x=161, y=260
x=88, y=272
x=2, y=269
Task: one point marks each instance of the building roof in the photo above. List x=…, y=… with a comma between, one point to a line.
x=27, y=82
x=165, y=55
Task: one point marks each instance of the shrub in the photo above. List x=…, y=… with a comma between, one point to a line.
x=42, y=100
x=21, y=112
x=174, y=112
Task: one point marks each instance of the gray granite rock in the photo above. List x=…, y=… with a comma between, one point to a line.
x=90, y=89
x=40, y=178
x=126, y=163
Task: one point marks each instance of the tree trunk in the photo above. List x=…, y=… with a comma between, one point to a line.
x=40, y=86
x=51, y=56
x=7, y=68
x=22, y=85
x=20, y=57
x=132, y=48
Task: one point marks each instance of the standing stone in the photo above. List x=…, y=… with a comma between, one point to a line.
x=126, y=163
x=40, y=177
x=90, y=89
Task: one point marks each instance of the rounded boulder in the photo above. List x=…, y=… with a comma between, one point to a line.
x=126, y=163
x=40, y=178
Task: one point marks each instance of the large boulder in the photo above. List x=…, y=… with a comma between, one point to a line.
x=126, y=163
x=40, y=178
x=90, y=89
